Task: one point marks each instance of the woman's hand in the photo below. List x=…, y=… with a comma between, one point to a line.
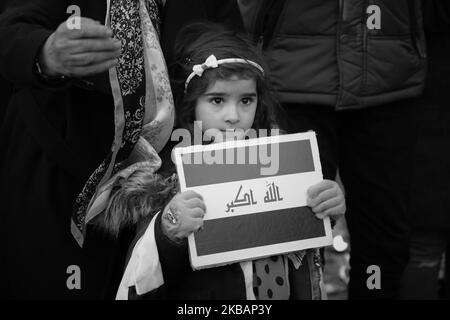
x=326, y=199
x=77, y=53
x=183, y=215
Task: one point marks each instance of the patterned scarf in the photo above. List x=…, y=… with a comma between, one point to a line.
x=143, y=107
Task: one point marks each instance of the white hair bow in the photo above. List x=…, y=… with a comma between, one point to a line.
x=210, y=62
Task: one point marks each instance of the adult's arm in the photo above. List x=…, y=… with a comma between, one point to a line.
x=25, y=25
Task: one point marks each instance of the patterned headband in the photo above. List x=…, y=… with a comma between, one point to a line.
x=211, y=62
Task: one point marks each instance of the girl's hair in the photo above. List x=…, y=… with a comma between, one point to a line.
x=194, y=44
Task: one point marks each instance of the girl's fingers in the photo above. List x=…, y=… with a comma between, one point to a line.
x=318, y=188
x=189, y=194
x=328, y=204
x=191, y=225
x=196, y=213
x=336, y=211
x=322, y=197
x=196, y=203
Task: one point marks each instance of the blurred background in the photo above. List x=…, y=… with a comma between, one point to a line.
x=337, y=265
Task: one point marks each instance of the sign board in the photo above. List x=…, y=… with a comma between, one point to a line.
x=255, y=196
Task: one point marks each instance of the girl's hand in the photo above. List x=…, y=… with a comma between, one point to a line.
x=183, y=215
x=326, y=199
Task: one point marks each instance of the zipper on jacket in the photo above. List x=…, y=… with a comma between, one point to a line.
x=365, y=44
x=339, y=57
x=259, y=23
x=260, y=44
x=267, y=21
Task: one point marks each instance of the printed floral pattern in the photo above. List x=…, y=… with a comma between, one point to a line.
x=85, y=196
x=127, y=22
x=133, y=126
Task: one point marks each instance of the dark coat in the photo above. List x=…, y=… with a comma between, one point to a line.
x=431, y=187
x=331, y=53
x=177, y=14
x=51, y=140
x=5, y=86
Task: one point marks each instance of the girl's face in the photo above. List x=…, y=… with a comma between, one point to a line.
x=228, y=105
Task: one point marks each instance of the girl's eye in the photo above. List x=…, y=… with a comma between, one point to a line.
x=217, y=100
x=247, y=101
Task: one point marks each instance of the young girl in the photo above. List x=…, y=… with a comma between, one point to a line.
x=219, y=80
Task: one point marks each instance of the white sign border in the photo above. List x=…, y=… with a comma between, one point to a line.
x=217, y=259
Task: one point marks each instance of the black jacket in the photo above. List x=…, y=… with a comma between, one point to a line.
x=430, y=186
x=343, y=53
x=177, y=14
x=5, y=86
x=51, y=140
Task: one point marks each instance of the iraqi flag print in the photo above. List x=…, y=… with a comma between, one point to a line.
x=255, y=195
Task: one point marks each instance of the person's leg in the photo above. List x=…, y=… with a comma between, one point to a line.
x=447, y=273
x=420, y=280
x=376, y=150
x=300, y=281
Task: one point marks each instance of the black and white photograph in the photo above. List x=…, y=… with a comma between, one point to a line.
x=223, y=155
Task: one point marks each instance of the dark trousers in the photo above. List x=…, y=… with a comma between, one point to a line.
x=421, y=278
x=373, y=150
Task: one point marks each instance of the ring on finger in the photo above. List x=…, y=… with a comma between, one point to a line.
x=171, y=216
